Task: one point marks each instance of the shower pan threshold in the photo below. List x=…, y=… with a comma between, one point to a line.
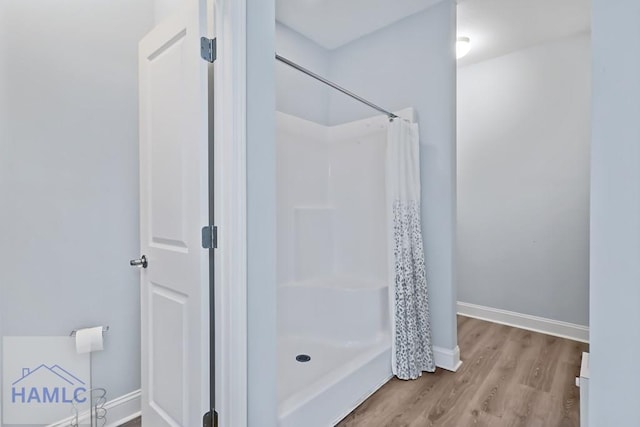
x=336, y=379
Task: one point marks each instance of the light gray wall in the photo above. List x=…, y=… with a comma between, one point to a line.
x=411, y=64
x=615, y=214
x=69, y=188
x=162, y=9
x=4, y=148
x=297, y=93
x=523, y=181
x=4, y=134
x=261, y=214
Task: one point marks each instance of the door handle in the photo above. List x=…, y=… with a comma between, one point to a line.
x=140, y=262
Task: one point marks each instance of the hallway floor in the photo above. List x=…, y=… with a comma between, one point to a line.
x=509, y=377
x=133, y=423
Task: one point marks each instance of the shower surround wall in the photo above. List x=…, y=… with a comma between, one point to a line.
x=332, y=267
x=331, y=200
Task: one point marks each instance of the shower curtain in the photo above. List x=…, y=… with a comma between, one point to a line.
x=411, y=348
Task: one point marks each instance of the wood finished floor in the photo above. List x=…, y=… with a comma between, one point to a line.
x=133, y=423
x=509, y=377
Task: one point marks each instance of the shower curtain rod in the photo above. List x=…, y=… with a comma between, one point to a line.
x=335, y=86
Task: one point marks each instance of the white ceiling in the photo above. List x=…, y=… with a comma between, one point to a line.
x=495, y=27
x=332, y=23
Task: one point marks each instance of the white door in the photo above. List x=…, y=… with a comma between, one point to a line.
x=174, y=206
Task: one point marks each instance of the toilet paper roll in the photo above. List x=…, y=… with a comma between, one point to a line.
x=89, y=339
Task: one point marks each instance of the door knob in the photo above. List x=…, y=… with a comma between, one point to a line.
x=140, y=262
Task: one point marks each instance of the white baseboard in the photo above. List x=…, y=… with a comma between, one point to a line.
x=448, y=359
x=119, y=411
x=525, y=321
x=583, y=383
x=124, y=408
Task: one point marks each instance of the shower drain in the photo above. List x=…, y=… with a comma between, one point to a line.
x=303, y=358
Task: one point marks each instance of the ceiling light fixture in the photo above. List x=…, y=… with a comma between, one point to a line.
x=463, y=46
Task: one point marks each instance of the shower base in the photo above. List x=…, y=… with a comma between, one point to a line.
x=336, y=379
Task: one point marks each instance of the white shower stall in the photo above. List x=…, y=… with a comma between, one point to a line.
x=333, y=316
x=334, y=334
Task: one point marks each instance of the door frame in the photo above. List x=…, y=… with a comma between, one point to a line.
x=230, y=212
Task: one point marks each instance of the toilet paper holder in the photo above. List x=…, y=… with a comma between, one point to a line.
x=73, y=333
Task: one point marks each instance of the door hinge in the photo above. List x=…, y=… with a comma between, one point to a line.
x=210, y=237
x=210, y=419
x=208, y=49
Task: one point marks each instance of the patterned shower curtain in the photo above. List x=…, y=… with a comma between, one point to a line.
x=411, y=349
